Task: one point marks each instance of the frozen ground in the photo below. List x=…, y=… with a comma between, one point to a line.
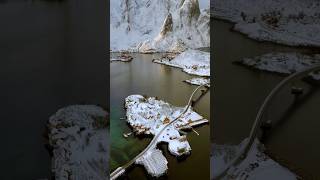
x=78, y=136
x=154, y=117
x=285, y=63
x=193, y=62
x=257, y=165
x=290, y=22
x=158, y=25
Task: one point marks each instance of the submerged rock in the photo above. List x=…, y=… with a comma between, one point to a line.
x=78, y=136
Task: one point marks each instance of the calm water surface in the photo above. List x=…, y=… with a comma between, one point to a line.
x=142, y=76
x=239, y=93
x=51, y=55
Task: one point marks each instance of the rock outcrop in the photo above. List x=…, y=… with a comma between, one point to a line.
x=78, y=136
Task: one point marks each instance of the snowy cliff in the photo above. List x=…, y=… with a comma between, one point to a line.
x=158, y=25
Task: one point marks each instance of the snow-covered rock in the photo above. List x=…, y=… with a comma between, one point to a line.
x=121, y=58
x=199, y=81
x=158, y=25
x=290, y=22
x=285, y=63
x=257, y=165
x=193, y=62
x=78, y=136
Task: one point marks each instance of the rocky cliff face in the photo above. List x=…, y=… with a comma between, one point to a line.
x=158, y=25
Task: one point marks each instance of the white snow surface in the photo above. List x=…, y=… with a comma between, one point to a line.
x=194, y=62
x=158, y=25
x=290, y=22
x=79, y=142
x=154, y=162
x=285, y=63
x=150, y=116
x=257, y=165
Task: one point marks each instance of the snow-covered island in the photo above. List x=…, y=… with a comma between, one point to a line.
x=290, y=22
x=257, y=165
x=158, y=26
x=194, y=62
x=284, y=63
x=158, y=118
x=78, y=137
